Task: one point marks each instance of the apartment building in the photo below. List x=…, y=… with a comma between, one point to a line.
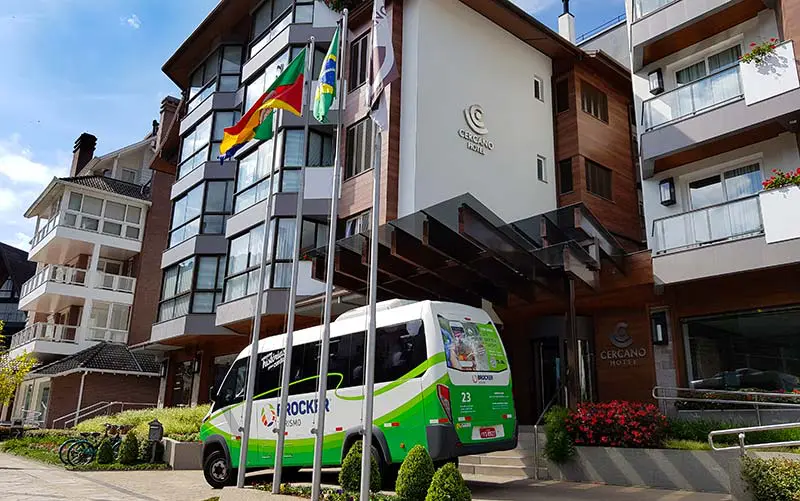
x=93, y=229
x=15, y=270
x=711, y=129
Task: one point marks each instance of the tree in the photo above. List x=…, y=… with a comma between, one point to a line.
x=12, y=371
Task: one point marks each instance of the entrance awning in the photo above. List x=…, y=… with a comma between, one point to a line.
x=461, y=251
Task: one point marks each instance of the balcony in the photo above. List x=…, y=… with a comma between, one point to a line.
x=663, y=27
x=56, y=287
x=70, y=233
x=734, y=107
x=718, y=240
x=48, y=340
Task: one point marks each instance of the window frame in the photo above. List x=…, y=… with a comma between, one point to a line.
x=367, y=155
x=359, y=223
x=704, y=59
x=203, y=186
x=538, y=83
x=257, y=41
x=562, y=166
x=562, y=95
x=354, y=80
x=591, y=180
x=541, y=168
x=193, y=101
x=221, y=264
x=588, y=95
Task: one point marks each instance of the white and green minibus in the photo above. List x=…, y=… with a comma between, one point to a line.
x=442, y=380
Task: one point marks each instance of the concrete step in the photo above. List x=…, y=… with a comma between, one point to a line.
x=497, y=471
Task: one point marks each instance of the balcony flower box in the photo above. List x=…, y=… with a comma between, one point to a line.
x=779, y=208
x=775, y=75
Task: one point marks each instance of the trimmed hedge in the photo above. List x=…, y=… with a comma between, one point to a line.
x=105, y=453
x=416, y=474
x=448, y=485
x=560, y=446
x=775, y=479
x=129, y=449
x=350, y=474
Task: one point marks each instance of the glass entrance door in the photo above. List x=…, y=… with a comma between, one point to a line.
x=546, y=374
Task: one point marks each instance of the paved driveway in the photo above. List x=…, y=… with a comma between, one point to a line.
x=25, y=480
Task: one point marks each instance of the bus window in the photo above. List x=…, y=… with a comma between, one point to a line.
x=232, y=389
x=269, y=369
x=400, y=348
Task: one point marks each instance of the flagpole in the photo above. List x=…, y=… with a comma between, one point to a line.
x=256, y=334
x=298, y=231
x=316, y=479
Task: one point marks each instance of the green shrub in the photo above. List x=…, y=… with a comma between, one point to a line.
x=416, y=474
x=146, y=452
x=775, y=479
x=698, y=431
x=686, y=445
x=105, y=453
x=448, y=485
x=180, y=423
x=350, y=474
x=559, y=447
x=129, y=449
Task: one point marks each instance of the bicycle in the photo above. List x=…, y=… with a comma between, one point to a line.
x=83, y=450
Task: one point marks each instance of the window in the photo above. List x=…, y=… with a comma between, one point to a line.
x=304, y=12
x=562, y=96
x=730, y=185
x=194, y=150
x=320, y=152
x=359, y=60
x=218, y=205
x=222, y=119
x=314, y=236
x=565, y=176
x=129, y=176
x=186, y=213
x=541, y=168
x=598, y=179
x=118, y=219
x=718, y=61
x=182, y=292
x=359, y=223
x=360, y=138
x=219, y=72
x=7, y=290
x=232, y=389
x=193, y=214
x=538, y=88
x=594, y=102
x=244, y=259
x=109, y=322
x=268, y=20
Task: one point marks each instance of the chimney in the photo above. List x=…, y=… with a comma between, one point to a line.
x=169, y=108
x=82, y=153
x=566, y=23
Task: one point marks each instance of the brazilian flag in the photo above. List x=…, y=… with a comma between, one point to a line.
x=326, y=91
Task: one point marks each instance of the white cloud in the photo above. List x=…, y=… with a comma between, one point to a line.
x=20, y=241
x=534, y=6
x=17, y=164
x=133, y=21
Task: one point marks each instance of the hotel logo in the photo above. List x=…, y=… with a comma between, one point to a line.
x=620, y=337
x=474, y=137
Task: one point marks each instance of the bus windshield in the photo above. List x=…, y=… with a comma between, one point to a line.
x=472, y=347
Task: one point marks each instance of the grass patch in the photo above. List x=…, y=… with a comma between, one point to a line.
x=119, y=467
x=215, y=498
x=41, y=447
x=180, y=423
x=304, y=491
x=686, y=445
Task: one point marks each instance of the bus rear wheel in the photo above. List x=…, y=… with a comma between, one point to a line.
x=216, y=470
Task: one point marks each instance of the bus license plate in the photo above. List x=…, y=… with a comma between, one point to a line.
x=488, y=432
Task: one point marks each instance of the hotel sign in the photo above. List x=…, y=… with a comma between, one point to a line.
x=475, y=137
x=623, y=354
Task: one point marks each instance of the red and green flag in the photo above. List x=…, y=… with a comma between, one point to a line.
x=285, y=93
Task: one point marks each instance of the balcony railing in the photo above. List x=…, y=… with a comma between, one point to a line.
x=57, y=274
x=45, y=332
x=714, y=224
x=685, y=101
x=107, y=334
x=88, y=222
x=117, y=283
x=642, y=8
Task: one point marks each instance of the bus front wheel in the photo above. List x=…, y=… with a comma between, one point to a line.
x=216, y=470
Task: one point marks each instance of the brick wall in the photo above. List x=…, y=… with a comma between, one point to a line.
x=64, y=392
x=148, y=283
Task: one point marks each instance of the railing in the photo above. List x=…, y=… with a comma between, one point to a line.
x=536, y=426
x=45, y=332
x=716, y=89
x=717, y=223
x=89, y=222
x=57, y=274
x=116, y=283
x=107, y=335
x=642, y=8
x=270, y=33
x=741, y=434
x=755, y=399
x=600, y=28
x=100, y=408
x=32, y=418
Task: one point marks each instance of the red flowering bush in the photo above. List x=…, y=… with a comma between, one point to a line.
x=760, y=51
x=780, y=179
x=617, y=424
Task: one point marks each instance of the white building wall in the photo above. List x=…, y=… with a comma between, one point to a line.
x=454, y=58
x=778, y=153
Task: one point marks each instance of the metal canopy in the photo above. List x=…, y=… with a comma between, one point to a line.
x=461, y=251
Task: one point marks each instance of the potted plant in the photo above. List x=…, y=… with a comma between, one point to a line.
x=780, y=198
x=759, y=52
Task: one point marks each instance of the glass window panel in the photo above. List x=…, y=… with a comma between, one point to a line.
x=222, y=119
x=115, y=211
x=170, y=282
x=254, y=90
x=285, y=243
x=207, y=272
x=252, y=282
x=214, y=225
x=88, y=223
x=293, y=148
x=165, y=311
x=281, y=6
x=211, y=67
x=216, y=196
x=291, y=181
x=727, y=57
x=203, y=302
x=283, y=276
x=236, y=287
x=221, y=273
x=229, y=83
x=112, y=228
x=231, y=59
x=304, y=13
x=182, y=305
x=308, y=238
x=70, y=219
x=99, y=315
x=75, y=201
x=256, y=245
x=245, y=199
x=692, y=73
x=119, y=317
x=706, y=192
x=238, y=254
x=262, y=18
x=133, y=215
x=185, y=271
x=248, y=170
x=743, y=182
x=194, y=203
x=92, y=205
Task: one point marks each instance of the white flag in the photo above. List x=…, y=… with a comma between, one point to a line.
x=383, y=70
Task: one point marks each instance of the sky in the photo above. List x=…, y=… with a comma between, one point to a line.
x=94, y=66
